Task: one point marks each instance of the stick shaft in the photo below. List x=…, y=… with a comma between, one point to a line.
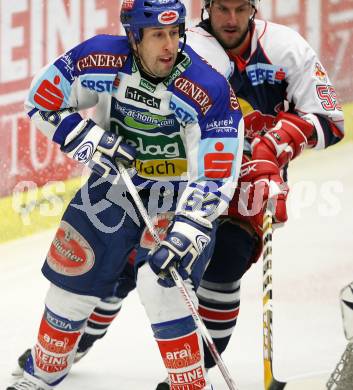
x=178, y=281
x=270, y=382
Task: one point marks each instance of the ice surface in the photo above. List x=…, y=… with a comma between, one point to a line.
x=312, y=262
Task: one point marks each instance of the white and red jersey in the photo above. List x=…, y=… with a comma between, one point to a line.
x=278, y=71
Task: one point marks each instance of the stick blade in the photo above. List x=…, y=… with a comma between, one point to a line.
x=277, y=385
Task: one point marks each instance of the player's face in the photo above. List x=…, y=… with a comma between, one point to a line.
x=158, y=50
x=230, y=20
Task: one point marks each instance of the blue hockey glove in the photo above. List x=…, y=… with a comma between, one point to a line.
x=109, y=151
x=100, y=149
x=181, y=248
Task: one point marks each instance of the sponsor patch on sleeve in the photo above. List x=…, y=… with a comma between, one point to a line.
x=216, y=158
x=220, y=129
x=51, y=91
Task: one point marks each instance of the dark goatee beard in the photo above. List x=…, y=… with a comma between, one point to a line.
x=235, y=44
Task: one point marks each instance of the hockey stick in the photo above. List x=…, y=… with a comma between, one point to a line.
x=271, y=383
x=342, y=376
x=178, y=281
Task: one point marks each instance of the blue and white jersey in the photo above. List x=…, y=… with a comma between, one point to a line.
x=186, y=128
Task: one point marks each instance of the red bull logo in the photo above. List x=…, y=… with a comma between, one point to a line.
x=256, y=123
x=320, y=73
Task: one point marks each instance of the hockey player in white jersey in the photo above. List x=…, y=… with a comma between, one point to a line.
x=289, y=104
x=156, y=101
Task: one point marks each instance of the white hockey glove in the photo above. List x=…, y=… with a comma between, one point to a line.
x=100, y=149
x=181, y=248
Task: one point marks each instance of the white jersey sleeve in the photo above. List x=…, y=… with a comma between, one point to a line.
x=308, y=85
x=207, y=47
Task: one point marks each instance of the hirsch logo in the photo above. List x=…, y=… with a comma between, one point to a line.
x=101, y=61
x=142, y=97
x=195, y=92
x=218, y=165
x=48, y=95
x=168, y=17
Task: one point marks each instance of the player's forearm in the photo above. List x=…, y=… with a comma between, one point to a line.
x=326, y=131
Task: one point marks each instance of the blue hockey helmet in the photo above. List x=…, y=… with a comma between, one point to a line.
x=138, y=14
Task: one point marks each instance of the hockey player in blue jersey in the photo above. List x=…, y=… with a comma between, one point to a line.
x=155, y=109
x=277, y=82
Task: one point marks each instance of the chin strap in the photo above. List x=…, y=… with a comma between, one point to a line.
x=183, y=45
x=251, y=21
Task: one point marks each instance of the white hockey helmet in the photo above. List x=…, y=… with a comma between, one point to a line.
x=254, y=3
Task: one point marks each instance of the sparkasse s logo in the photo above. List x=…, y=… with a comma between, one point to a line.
x=218, y=165
x=48, y=95
x=168, y=17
